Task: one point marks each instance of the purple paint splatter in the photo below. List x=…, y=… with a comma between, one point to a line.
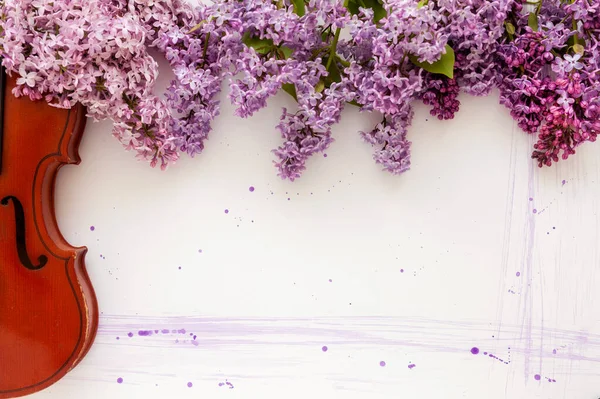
x=537, y=377
x=518, y=274
x=474, y=350
x=401, y=270
x=382, y=363
x=535, y=211
x=144, y=333
x=330, y=280
x=119, y=380
x=130, y=334
x=92, y=228
x=564, y=182
x=412, y=366
x=251, y=189
x=324, y=349
x=189, y=384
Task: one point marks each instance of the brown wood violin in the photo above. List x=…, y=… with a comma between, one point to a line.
x=48, y=309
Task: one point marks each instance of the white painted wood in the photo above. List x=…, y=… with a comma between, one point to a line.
x=460, y=224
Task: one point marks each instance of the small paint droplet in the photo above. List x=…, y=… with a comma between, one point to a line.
x=226, y=210
x=535, y=211
x=189, y=384
x=199, y=251
x=324, y=155
x=412, y=366
x=537, y=377
x=474, y=350
x=119, y=380
x=564, y=182
x=530, y=199
x=401, y=270
x=518, y=274
x=92, y=228
x=324, y=349
x=288, y=198
x=118, y=338
x=144, y=333
x=251, y=189
x=130, y=334
x=554, y=351
x=382, y=363
x=179, y=267
x=330, y=280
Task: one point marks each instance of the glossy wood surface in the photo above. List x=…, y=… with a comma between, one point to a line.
x=48, y=309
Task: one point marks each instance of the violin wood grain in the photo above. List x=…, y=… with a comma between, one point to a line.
x=48, y=308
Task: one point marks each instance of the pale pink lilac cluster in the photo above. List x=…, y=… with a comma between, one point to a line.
x=380, y=56
x=93, y=52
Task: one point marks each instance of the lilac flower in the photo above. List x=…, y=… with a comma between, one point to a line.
x=97, y=53
x=572, y=62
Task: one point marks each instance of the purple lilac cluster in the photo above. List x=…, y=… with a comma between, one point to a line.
x=286, y=50
x=378, y=55
x=201, y=57
x=386, y=81
x=549, y=77
x=93, y=52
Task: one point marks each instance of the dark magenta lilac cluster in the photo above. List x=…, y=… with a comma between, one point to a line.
x=377, y=55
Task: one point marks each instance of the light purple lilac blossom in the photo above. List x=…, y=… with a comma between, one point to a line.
x=326, y=54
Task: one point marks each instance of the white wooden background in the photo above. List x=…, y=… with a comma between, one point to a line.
x=413, y=271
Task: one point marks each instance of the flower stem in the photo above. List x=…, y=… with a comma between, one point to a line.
x=336, y=39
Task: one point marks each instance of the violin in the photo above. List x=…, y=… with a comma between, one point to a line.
x=48, y=308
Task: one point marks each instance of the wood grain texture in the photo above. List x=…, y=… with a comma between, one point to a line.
x=48, y=310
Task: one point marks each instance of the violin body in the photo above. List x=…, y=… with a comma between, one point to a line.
x=48, y=309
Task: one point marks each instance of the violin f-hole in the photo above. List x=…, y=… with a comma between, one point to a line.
x=20, y=228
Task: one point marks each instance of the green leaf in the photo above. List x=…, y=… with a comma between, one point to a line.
x=571, y=41
x=510, y=28
x=378, y=11
x=334, y=73
x=578, y=49
x=320, y=86
x=290, y=89
x=422, y=3
x=532, y=21
x=262, y=46
x=287, y=52
x=299, y=8
x=444, y=66
x=265, y=46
